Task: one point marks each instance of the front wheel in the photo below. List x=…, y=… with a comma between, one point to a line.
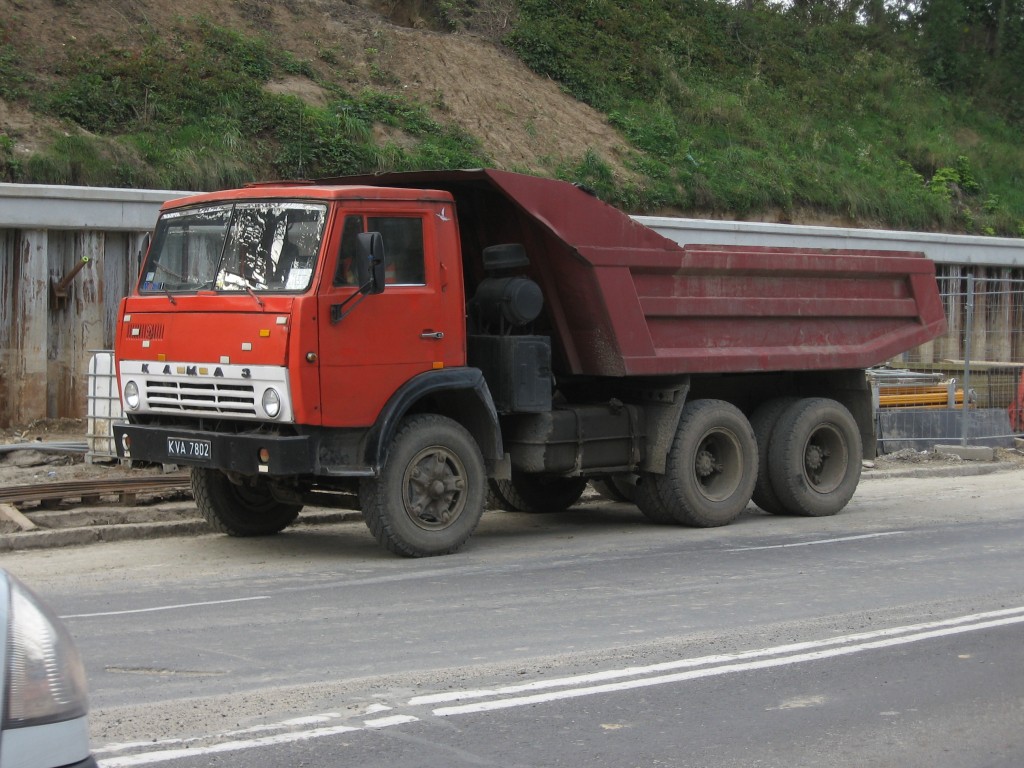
x=239, y=509
x=429, y=495
x=816, y=457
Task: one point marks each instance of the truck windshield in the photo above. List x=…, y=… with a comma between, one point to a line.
x=246, y=246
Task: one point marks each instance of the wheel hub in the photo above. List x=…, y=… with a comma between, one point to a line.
x=706, y=464
x=816, y=456
x=433, y=490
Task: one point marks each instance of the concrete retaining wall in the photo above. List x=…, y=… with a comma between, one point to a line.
x=46, y=335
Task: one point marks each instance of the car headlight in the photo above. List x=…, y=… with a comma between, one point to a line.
x=271, y=403
x=45, y=676
x=131, y=395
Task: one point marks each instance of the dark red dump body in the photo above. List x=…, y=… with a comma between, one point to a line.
x=623, y=300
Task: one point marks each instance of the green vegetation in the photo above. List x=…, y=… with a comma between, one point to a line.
x=738, y=110
x=879, y=113
x=191, y=112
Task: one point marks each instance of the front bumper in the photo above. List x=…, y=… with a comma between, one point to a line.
x=213, y=450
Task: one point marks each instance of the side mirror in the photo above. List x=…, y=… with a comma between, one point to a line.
x=369, y=266
x=370, y=263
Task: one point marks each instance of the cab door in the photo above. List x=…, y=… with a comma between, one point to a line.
x=417, y=324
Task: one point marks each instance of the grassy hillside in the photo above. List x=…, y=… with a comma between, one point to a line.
x=738, y=112
x=191, y=110
x=718, y=110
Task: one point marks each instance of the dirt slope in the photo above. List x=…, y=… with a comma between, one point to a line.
x=464, y=77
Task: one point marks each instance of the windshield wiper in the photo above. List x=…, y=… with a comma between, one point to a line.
x=253, y=293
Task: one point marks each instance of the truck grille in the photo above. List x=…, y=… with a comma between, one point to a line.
x=201, y=397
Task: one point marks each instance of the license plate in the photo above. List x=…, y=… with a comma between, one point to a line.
x=185, y=448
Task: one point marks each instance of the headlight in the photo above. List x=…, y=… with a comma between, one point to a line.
x=131, y=395
x=271, y=403
x=45, y=676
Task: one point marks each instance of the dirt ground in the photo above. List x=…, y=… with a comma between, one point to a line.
x=465, y=78
x=39, y=459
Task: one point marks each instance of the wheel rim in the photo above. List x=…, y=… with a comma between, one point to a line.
x=435, y=488
x=825, y=459
x=717, y=465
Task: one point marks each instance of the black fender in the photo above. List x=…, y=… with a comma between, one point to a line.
x=459, y=393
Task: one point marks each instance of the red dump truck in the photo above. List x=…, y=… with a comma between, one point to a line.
x=432, y=340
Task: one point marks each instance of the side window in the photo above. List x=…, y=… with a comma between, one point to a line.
x=345, y=274
x=403, y=244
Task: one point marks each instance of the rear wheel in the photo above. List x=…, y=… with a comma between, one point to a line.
x=649, y=501
x=240, y=510
x=816, y=457
x=711, y=467
x=430, y=493
x=763, y=422
x=541, y=493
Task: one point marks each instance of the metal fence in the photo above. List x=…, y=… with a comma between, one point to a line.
x=966, y=388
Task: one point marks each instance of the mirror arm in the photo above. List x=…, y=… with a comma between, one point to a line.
x=338, y=312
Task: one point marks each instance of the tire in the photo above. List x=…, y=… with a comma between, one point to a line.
x=495, y=499
x=619, y=487
x=763, y=422
x=815, y=457
x=429, y=495
x=649, y=501
x=541, y=494
x=711, y=468
x=239, y=510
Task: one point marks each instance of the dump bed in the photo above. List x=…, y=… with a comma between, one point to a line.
x=623, y=300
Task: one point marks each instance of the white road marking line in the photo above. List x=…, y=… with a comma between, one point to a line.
x=615, y=674
x=126, y=745
x=543, y=698
x=227, y=746
x=165, y=607
x=818, y=541
x=283, y=724
x=385, y=722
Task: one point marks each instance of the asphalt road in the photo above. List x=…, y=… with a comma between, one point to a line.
x=890, y=634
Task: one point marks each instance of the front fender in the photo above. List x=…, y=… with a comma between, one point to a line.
x=459, y=393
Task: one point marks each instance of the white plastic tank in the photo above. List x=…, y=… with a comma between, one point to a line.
x=104, y=407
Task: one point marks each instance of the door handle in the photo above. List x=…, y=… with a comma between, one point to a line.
x=438, y=335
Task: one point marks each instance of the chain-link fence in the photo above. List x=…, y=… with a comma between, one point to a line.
x=967, y=387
